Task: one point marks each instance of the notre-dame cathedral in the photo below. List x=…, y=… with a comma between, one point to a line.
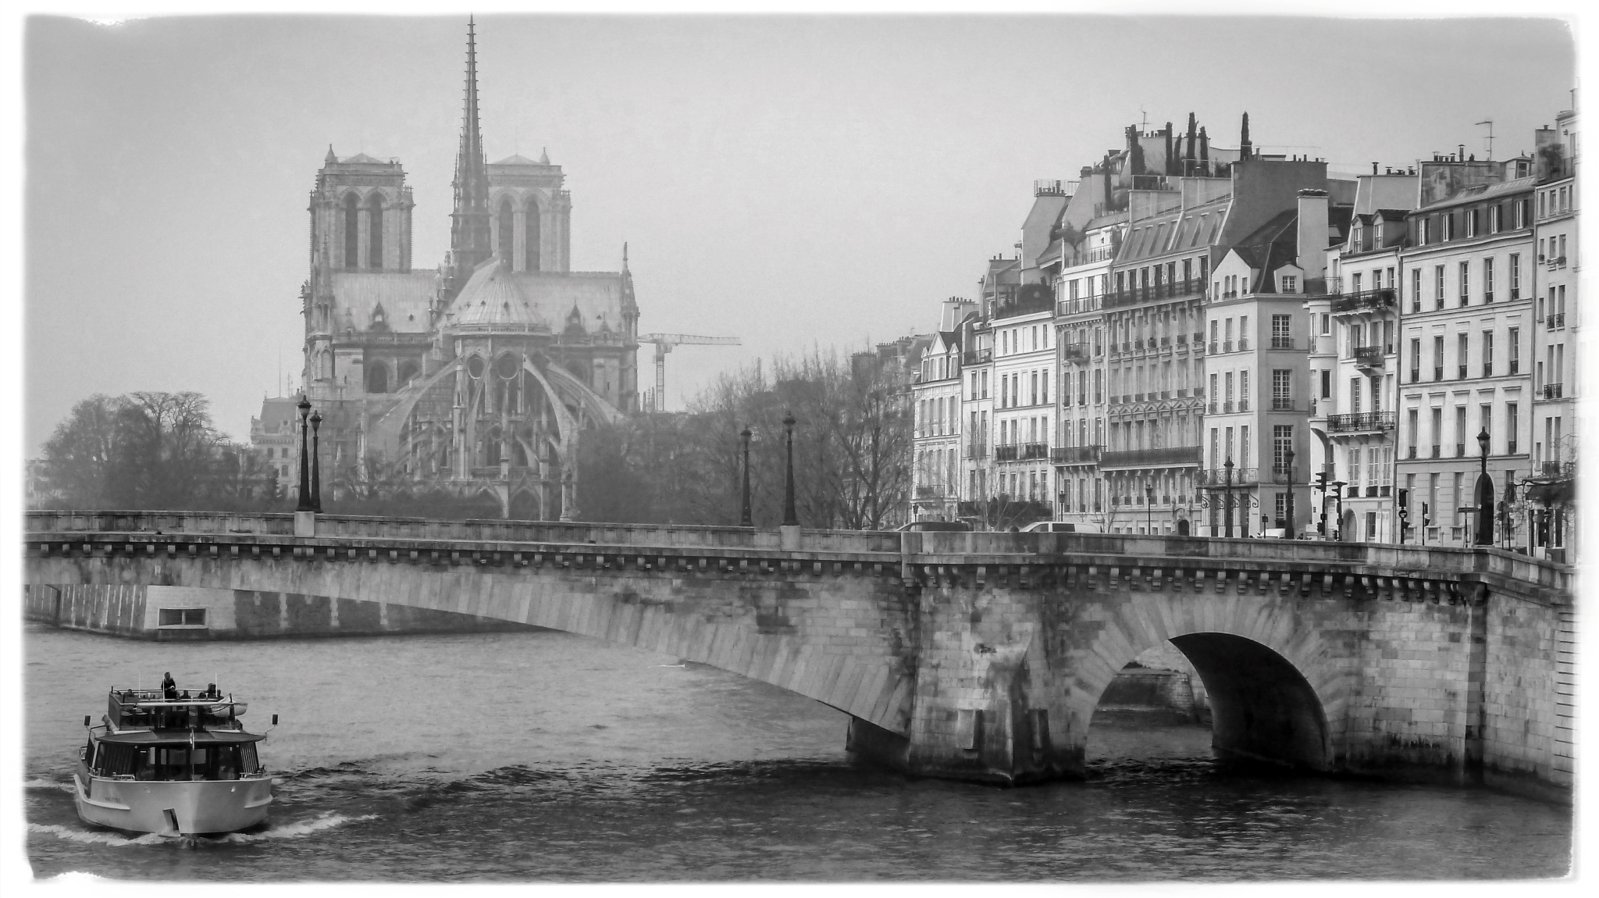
x=474, y=378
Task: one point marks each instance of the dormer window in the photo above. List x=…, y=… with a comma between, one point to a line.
x=1290, y=283
x=1378, y=235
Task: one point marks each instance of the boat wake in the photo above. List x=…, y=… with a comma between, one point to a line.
x=298, y=829
x=49, y=786
x=96, y=836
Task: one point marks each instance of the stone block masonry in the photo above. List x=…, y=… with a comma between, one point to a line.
x=966, y=655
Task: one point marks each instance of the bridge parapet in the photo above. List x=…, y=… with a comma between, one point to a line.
x=967, y=654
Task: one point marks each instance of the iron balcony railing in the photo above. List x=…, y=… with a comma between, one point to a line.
x=1217, y=478
x=1362, y=422
x=1554, y=391
x=1034, y=450
x=1143, y=458
x=976, y=356
x=1075, y=455
x=1005, y=452
x=1280, y=342
x=1369, y=356
x=977, y=449
x=1283, y=404
x=1076, y=352
x=1364, y=300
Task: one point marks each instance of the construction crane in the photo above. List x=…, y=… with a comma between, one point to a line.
x=665, y=343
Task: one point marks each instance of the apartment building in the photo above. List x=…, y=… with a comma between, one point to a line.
x=936, y=430
x=1549, y=487
x=1466, y=324
x=1355, y=373
x=1081, y=283
x=1153, y=318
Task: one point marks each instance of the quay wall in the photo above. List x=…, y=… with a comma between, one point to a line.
x=174, y=613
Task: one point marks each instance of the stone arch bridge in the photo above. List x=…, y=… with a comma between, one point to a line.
x=979, y=656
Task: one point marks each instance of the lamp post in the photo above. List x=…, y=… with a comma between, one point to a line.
x=1485, y=496
x=1149, y=506
x=1504, y=510
x=1227, y=506
x=790, y=516
x=305, y=462
x=745, y=519
x=316, y=462
x=1288, y=458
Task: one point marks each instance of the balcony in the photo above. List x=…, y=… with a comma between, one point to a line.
x=1150, y=458
x=1362, y=422
x=1154, y=292
x=1554, y=391
x=1415, y=375
x=1218, y=478
x=1461, y=370
x=1282, y=474
x=1032, y=451
x=1075, y=455
x=1365, y=301
x=1076, y=352
x=1007, y=452
x=1283, y=404
x=1487, y=296
x=1557, y=469
x=1368, y=356
x=977, y=449
x=1282, y=342
x=1460, y=450
x=1438, y=372
x=1557, y=320
x=1227, y=407
x=976, y=356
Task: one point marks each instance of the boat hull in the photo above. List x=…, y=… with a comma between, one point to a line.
x=172, y=807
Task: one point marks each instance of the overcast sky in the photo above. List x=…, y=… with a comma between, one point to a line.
x=793, y=182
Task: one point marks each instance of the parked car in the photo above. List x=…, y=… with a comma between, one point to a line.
x=927, y=526
x=1060, y=527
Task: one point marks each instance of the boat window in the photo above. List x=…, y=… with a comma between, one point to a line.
x=247, y=761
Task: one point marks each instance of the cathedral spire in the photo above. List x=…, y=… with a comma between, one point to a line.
x=469, y=222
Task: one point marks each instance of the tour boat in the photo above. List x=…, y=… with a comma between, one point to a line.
x=179, y=766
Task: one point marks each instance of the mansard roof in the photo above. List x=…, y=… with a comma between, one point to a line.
x=1479, y=192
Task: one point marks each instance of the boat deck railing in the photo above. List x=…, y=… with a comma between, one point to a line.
x=152, y=709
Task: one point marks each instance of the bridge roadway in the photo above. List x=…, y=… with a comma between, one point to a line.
x=978, y=656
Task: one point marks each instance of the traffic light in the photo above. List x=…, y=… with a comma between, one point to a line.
x=1338, y=489
x=1404, y=513
x=1426, y=515
x=1321, y=481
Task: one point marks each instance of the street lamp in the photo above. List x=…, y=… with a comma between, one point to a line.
x=316, y=462
x=305, y=458
x=745, y=519
x=1227, y=507
x=1485, y=496
x=1288, y=458
x=1149, y=506
x=790, y=516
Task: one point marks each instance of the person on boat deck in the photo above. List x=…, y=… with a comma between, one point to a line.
x=169, y=687
x=211, y=691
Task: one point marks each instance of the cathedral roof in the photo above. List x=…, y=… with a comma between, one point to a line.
x=403, y=295
x=362, y=159
x=519, y=159
x=496, y=296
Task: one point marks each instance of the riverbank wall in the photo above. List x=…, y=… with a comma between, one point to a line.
x=177, y=613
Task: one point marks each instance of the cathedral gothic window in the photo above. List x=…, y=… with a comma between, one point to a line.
x=374, y=235
x=532, y=235
x=352, y=231
x=507, y=231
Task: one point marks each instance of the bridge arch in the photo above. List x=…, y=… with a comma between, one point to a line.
x=1277, y=693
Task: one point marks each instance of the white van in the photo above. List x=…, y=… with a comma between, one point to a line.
x=1060, y=527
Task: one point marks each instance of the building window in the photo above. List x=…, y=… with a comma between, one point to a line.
x=1438, y=357
x=1282, y=332
x=1487, y=353
x=180, y=617
x=1495, y=218
x=1290, y=283
x=1438, y=286
x=1461, y=354
x=1465, y=283
x=1282, y=389
x=1488, y=280
x=1514, y=341
x=1511, y=423
x=1515, y=276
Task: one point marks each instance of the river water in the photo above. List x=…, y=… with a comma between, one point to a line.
x=542, y=756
